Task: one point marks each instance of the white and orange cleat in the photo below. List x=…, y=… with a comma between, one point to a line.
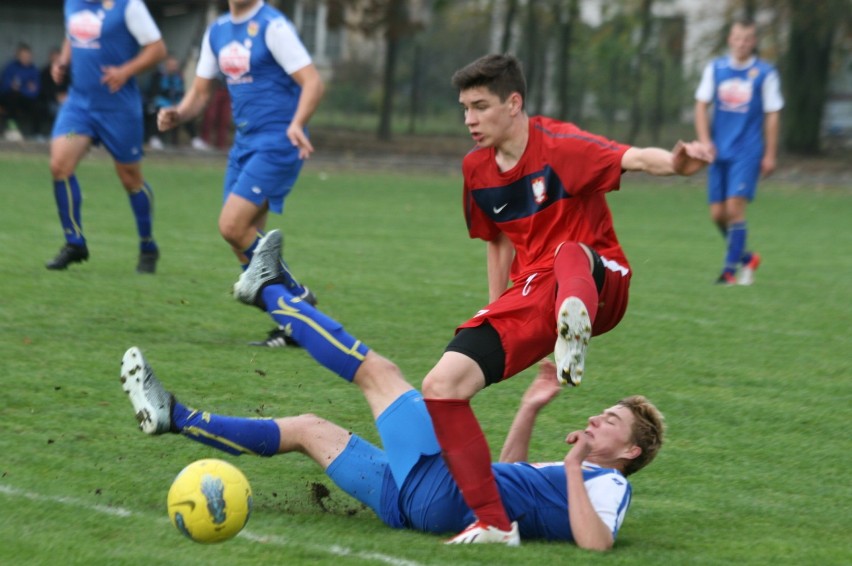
x=480, y=533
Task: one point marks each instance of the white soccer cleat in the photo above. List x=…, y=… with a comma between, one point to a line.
x=746, y=273
x=574, y=330
x=151, y=402
x=265, y=266
x=480, y=533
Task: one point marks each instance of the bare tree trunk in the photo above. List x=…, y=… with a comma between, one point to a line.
x=395, y=10
x=567, y=24
x=415, y=88
x=812, y=31
x=511, y=11
x=639, y=69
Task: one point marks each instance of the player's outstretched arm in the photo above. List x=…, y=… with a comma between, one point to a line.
x=684, y=159
x=541, y=391
x=189, y=107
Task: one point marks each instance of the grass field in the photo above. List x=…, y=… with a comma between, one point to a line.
x=755, y=382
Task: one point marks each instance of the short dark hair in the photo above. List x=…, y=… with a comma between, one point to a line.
x=501, y=74
x=744, y=22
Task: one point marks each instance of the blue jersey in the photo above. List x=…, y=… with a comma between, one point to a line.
x=737, y=128
x=536, y=495
x=99, y=36
x=263, y=95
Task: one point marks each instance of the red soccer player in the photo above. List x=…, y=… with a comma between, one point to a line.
x=535, y=191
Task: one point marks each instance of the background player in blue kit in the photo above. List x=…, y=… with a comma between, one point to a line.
x=746, y=97
x=274, y=88
x=408, y=485
x=107, y=45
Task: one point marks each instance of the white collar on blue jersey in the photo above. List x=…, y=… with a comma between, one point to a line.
x=733, y=64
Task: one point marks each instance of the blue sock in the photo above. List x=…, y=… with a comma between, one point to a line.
x=736, y=245
x=249, y=252
x=323, y=337
x=69, y=201
x=234, y=435
x=142, y=203
x=292, y=284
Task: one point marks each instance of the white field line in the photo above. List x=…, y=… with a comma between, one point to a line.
x=333, y=550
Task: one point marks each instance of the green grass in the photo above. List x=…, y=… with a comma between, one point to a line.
x=754, y=381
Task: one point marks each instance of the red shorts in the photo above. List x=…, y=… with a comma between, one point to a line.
x=525, y=316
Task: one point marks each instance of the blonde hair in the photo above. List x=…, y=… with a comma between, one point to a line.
x=648, y=429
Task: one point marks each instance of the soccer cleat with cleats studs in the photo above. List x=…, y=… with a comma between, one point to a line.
x=264, y=267
x=70, y=253
x=277, y=338
x=148, y=262
x=574, y=330
x=726, y=279
x=746, y=274
x=481, y=533
x=151, y=402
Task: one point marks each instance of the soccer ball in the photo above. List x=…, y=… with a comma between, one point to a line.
x=210, y=501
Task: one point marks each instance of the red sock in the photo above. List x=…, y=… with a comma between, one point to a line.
x=469, y=459
x=574, y=278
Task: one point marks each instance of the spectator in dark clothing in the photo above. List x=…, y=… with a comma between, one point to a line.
x=19, y=88
x=167, y=89
x=216, y=124
x=52, y=94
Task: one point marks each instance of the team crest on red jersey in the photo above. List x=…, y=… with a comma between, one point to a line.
x=235, y=60
x=539, y=190
x=84, y=27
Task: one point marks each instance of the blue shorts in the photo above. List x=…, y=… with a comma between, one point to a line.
x=262, y=176
x=729, y=179
x=408, y=484
x=121, y=132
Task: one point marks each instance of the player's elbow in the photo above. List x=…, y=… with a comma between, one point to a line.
x=597, y=545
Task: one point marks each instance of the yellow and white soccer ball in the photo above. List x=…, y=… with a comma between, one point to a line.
x=210, y=501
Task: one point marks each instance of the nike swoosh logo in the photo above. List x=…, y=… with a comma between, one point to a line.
x=187, y=502
x=498, y=210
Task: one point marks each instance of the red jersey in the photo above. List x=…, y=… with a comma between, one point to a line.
x=556, y=193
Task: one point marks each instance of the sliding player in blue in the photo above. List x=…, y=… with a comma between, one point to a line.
x=407, y=484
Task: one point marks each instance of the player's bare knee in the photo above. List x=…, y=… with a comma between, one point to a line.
x=441, y=385
x=60, y=168
x=232, y=233
x=376, y=371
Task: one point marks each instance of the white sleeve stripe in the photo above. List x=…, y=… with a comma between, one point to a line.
x=609, y=499
x=286, y=47
x=704, y=92
x=773, y=101
x=140, y=23
x=208, y=66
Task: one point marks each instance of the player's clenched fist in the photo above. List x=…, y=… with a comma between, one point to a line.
x=167, y=118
